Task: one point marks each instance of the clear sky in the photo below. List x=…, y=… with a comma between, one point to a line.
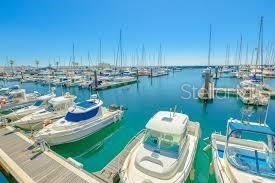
x=45, y=30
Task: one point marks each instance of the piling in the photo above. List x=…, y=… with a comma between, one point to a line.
x=95, y=77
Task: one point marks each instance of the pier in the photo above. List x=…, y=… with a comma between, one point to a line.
x=110, y=173
x=115, y=84
x=17, y=157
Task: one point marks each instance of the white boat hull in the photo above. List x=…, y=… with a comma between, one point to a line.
x=130, y=174
x=85, y=130
x=37, y=123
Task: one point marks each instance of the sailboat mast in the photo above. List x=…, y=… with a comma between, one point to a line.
x=209, y=51
x=262, y=44
x=120, y=45
x=240, y=51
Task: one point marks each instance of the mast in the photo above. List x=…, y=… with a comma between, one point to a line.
x=260, y=43
x=246, y=56
x=143, y=55
x=73, y=54
x=240, y=51
x=120, y=45
x=100, y=54
x=209, y=51
x=160, y=56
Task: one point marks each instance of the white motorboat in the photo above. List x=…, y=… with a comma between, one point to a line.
x=57, y=109
x=252, y=93
x=239, y=158
x=40, y=103
x=81, y=121
x=17, y=99
x=165, y=153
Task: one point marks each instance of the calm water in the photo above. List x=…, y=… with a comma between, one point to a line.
x=143, y=100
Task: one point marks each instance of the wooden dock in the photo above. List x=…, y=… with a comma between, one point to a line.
x=110, y=173
x=18, y=159
x=115, y=84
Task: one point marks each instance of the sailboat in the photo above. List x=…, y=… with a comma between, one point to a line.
x=253, y=91
x=207, y=91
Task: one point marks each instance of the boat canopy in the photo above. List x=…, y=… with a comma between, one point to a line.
x=168, y=123
x=86, y=104
x=236, y=126
x=77, y=116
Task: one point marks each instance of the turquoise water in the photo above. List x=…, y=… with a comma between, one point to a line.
x=143, y=100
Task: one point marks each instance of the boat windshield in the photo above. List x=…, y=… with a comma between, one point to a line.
x=253, y=157
x=162, y=142
x=38, y=103
x=50, y=108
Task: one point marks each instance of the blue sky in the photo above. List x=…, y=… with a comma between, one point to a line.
x=45, y=30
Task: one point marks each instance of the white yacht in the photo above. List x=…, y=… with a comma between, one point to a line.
x=57, y=109
x=81, y=121
x=253, y=93
x=40, y=103
x=165, y=153
x=17, y=99
x=237, y=159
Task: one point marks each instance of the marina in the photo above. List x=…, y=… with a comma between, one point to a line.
x=93, y=147
x=137, y=92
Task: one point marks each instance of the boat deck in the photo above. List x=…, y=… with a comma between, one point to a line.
x=110, y=173
x=18, y=159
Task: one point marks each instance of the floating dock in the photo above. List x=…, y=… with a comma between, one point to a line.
x=110, y=173
x=18, y=158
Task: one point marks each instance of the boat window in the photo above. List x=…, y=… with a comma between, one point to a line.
x=38, y=103
x=164, y=142
x=253, y=157
x=168, y=144
x=152, y=139
x=50, y=108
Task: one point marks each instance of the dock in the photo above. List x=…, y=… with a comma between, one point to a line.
x=110, y=173
x=115, y=84
x=18, y=158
